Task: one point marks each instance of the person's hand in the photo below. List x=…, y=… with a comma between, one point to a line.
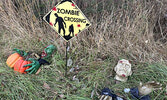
x=21, y=52
x=34, y=66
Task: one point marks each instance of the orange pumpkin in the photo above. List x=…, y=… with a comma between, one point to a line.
x=12, y=59
x=18, y=66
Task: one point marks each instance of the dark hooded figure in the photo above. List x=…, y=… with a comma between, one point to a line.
x=71, y=30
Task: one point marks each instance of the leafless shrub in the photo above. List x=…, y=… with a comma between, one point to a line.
x=119, y=29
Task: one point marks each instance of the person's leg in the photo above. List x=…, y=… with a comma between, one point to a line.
x=63, y=31
x=59, y=30
x=73, y=33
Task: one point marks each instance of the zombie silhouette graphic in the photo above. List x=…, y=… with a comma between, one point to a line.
x=71, y=30
x=61, y=23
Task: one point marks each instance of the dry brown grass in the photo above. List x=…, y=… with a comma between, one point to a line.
x=120, y=28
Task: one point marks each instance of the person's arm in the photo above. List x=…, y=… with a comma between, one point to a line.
x=55, y=22
x=64, y=23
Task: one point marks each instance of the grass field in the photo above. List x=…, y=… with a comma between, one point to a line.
x=131, y=29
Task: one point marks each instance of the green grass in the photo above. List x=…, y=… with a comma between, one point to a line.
x=94, y=74
x=119, y=30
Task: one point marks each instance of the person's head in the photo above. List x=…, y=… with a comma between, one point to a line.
x=56, y=14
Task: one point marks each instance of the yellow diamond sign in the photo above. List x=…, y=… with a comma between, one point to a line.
x=67, y=19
